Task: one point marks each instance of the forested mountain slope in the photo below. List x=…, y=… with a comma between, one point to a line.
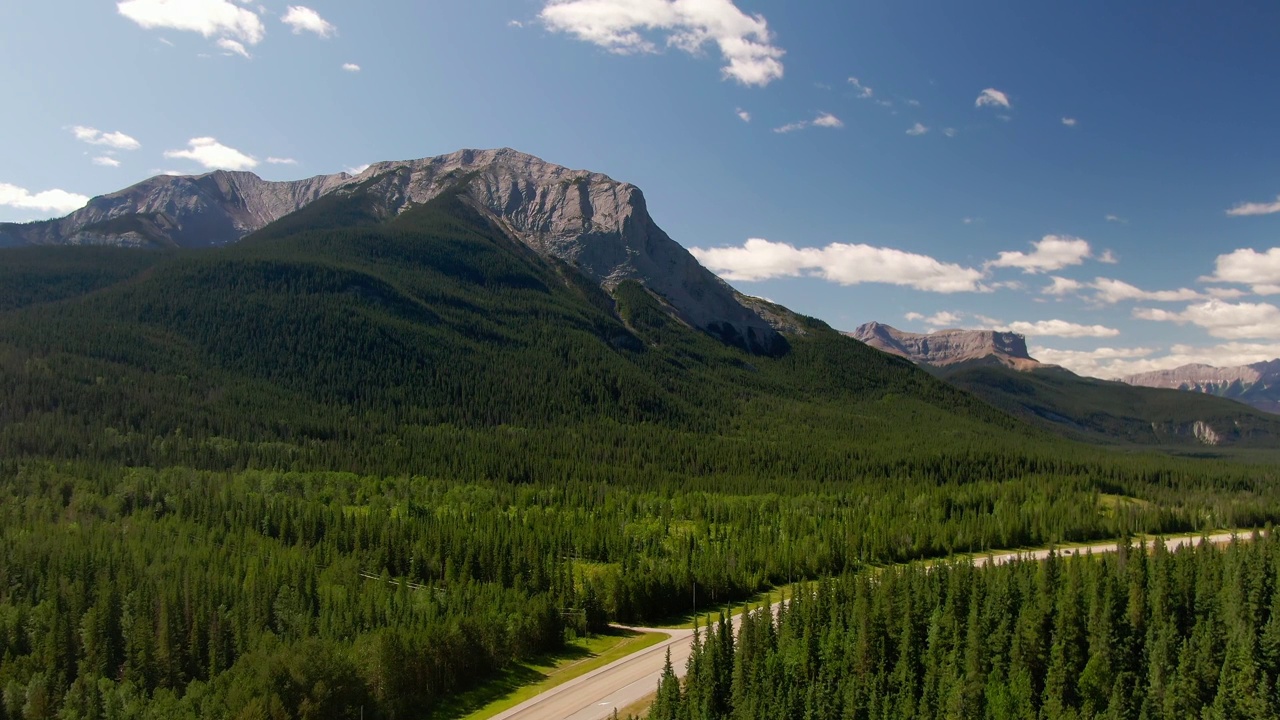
x=1114, y=413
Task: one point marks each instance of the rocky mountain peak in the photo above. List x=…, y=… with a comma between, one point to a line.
x=949, y=347
x=595, y=223
x=1257, y=384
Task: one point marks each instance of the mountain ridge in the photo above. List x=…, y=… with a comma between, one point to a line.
x=597, y=224
x=944, y=348
x=1256, y=384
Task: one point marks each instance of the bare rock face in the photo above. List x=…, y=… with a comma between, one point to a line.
x=949, y=347
x=1257, y=384
x=187, y=211
x=599, y=225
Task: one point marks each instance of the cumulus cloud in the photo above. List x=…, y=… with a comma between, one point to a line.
x=210, y=18
x=1230, y=321
x=992, y=98
x=1069, y=122
x=93, y=136
x=106, y=161
x=304, y=19
x=917, y=129
x=1052, y=252
x=234, y=47
x=281, y=161
x=1112, y=291
x=1253, y=208
x=826, y=120
x=1260, y=270
x=845, y=264
x=627, y=26
x=942, y=319
x=55, y=201
x=351, y=67
x=1062, y=286
x=1111, y=363
x=743, y=115
x=864, y=92
x=213, y=155
x=1059, y=328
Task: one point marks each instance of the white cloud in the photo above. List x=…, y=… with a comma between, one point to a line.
x=620, y=26
x=913, y=316
x=234, y=47
x=1229, y=293
x=1063, y=286
x=1230, y=321
x=1052, y=252
x=214, y=155
x=515, y=24
x=1112, y=291
x=940, y=319
x=917, y=129
x=1059, y=328
x=1252, y=208
x=304, y=19
x=1246, y=266
x=913, y=103
x=826, y=120
x=358, y=169
x=1119, y=362
x=106, y=161
x=864, y=92
x=93, y=136
x=743, y=115
x=210, y=18
x=949, y=132
x=845, y=264
x=57, y=201
x=351, y=67
x=1117, y=219
x=1069, y=122
x=281, y=161
x=1104, y=362
x=993, y=98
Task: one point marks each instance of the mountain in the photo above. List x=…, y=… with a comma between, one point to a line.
x=1257, y=385
x=946, y=348
x=443, y=340
x=1109, y=412
x=598, y=225
x=997, y=367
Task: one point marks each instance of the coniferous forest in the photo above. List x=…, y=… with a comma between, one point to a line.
x=1187, y=634
x=355, y=467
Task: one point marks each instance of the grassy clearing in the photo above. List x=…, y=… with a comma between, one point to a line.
x=531, y=679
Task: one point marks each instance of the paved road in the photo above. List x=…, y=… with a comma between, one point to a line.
x=594, y=696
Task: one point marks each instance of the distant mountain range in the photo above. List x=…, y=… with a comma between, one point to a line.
x=476, y=288
x=997, y=367
x=1257, y=384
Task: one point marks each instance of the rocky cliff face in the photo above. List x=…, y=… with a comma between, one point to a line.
x=1257, y=384
x=949, y=347
x=589, y=220
x=189, y=211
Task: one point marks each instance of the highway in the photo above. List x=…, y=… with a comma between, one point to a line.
x=597, y=694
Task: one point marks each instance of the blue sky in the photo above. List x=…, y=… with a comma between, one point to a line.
x=1101, y=176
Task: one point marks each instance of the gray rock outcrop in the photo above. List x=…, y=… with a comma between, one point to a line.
x=949, y=347
x=1257, y=384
